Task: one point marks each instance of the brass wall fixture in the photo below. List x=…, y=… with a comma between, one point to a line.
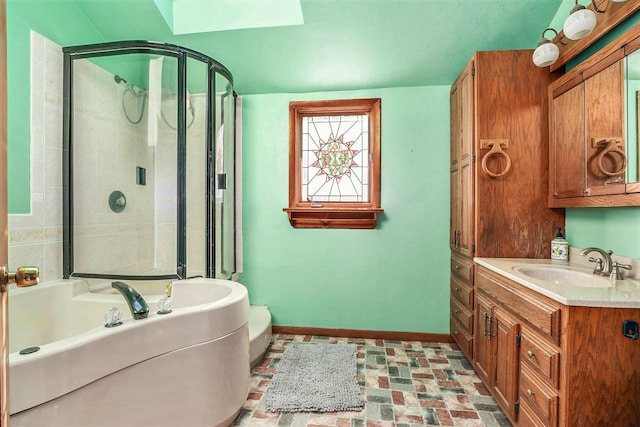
x=610, y=147
x=496, y=150
x=22, y=277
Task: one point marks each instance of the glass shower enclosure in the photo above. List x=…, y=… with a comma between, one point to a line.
x=148, y=163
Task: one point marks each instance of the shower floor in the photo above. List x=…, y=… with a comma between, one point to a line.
x=404, y=383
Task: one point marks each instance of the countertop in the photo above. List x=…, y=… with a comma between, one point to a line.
x=624, y=294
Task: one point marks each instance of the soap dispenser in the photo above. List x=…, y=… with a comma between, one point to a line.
x=559, y=248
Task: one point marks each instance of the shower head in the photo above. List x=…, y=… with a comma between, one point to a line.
x=119, y=79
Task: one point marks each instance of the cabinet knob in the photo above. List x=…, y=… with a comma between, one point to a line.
x=456, y=311
x=529, y=392
x=530, y=354
x=457, y=267
x=457, y=289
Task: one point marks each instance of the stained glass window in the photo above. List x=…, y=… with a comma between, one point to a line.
x=335, y=153
x=334, y=163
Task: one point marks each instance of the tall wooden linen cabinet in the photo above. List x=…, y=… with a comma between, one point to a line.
x=499, y=173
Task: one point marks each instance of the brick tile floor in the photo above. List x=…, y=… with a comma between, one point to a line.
x=404, y=383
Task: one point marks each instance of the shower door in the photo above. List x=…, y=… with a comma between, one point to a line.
x=223, y=256
x=145, y=194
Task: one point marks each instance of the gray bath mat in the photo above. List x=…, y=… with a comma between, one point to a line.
x=315, y=378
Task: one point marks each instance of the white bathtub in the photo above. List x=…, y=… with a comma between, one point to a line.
x=186, y=368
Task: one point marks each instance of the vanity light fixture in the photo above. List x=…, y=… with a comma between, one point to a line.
x=546, y=52
x=581, y=21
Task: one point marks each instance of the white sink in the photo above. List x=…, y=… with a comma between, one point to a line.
x=563, y=275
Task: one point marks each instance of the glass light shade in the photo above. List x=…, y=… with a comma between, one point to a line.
x=545, y=54
x=618, y=1
x=579, y=24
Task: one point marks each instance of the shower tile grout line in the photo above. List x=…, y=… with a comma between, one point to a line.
x=404, y=384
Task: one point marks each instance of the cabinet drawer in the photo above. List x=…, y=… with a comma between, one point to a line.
x=462, y=291
x=462, y=267
x=537, y=313
x=540, y=357
x=528, y=418
x=462, y=315
x=540, y=397
x=463, y=339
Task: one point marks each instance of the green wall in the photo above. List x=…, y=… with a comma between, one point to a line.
x=393, y=278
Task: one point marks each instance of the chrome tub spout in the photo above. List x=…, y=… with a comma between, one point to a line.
x=137, y=305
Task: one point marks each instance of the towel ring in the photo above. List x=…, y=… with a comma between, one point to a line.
x=496, y=150
x=611, y=148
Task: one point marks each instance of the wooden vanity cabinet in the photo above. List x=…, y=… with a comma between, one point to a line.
x=589, y=149
x=584, y=118
x=548, y=364
x=500, y=97
x=496, y=352
x=462, y=303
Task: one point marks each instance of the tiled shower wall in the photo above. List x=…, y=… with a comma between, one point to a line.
x=105, y=241
x=36, y=238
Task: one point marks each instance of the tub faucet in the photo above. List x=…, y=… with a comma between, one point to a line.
x=604, y=265
x=137, y=305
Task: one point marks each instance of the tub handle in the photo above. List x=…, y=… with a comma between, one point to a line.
x=22, y=277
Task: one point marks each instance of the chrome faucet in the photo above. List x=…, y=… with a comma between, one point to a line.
x=616, y=274
x=604, y=265
x=137, y=305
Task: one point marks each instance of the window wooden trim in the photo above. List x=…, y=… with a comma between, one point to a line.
x=306, y=214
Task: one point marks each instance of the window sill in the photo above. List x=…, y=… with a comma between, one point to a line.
x=360, y=218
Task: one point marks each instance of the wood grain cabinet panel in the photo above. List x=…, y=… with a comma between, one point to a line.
x=589, y=148
x=527, y=417
x=590, y=376
x=540, y=315
x=505, y=386
x=463, y=315
x=542, y=399
x=540, y=357
x=462, y=291
x=462, y=267
x=499, y=95
x=463, y=338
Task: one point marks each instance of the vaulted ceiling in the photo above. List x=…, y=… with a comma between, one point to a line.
x=342, y=44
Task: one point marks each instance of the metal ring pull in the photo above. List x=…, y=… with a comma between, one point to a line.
x=610, y=147
x=496, y=150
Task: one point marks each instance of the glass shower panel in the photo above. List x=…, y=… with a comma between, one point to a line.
x=224, y=182
x=124, y=157
x=196, y=167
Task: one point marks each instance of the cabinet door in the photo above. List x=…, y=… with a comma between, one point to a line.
x=461, y=128
x=465, y=163
x=454, y=229
x=568, y=165
x=483, y=349
x=454, y=176
x=604, y=112
x=505, y=385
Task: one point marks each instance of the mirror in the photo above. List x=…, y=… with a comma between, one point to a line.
x=149, y=163
x=632, y=81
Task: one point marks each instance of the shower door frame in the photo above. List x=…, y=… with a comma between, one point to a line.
x=153, y=48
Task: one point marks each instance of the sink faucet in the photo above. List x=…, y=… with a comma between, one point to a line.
x=603, y=265
x=137, y=305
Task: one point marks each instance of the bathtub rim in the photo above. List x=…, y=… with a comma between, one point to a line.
x=54, y=360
